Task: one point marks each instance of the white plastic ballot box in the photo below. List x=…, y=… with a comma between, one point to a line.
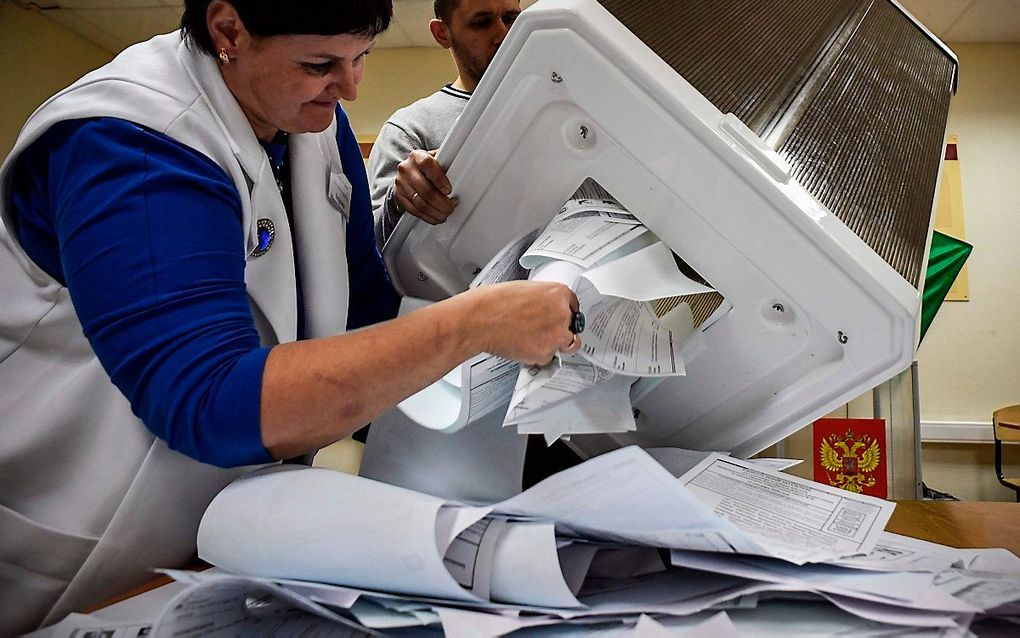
x=789, y=160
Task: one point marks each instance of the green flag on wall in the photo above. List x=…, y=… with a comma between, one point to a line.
x=946, y=259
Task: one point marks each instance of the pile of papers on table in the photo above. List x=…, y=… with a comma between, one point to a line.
x=624, y=544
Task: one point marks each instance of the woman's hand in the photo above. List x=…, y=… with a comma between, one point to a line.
x=528, y=321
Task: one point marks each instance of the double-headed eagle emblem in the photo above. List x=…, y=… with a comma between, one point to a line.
x=850, y=460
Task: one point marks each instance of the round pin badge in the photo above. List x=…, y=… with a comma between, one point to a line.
x=266, y=233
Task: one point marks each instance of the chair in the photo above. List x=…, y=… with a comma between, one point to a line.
x=1006, y=427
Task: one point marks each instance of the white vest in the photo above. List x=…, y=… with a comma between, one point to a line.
x=90, y=500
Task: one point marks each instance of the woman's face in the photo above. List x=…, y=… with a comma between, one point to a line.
x=292, y=82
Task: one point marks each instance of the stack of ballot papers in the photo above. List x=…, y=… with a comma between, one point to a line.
x=619, y=270
x=623, y=544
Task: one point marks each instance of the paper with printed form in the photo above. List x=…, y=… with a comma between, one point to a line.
x=603, y=408
x=477, y=387
x=539, y=387
x=798, y=520
x=584, y=232
x=893, y=552
x=224, y=605
x=624, y=336
x=883, y=587
x=599, y=249
x=985, y=590
x=614, y=273
x=625, y=496
x=569, y=395
x=678, y=461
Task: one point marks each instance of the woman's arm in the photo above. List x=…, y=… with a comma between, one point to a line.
x=316, y=392
x=146, y=235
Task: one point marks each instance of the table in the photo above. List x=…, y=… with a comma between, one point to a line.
x=959, y=523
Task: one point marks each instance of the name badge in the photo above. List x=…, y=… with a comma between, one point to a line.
x=339, y=193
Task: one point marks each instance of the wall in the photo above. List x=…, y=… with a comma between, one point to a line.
x=969, y=361
x=40, y=57
x=395, y=78
x=966, y=470
x=969, y=358
x=34, y=71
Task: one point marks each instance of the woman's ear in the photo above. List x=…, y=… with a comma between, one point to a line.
x=224, y=26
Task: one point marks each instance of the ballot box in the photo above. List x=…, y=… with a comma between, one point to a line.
x=786, y=153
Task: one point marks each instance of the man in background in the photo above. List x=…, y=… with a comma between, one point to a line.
x=404, y=174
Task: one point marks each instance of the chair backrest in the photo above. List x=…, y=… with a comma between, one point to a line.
x=1006, y=422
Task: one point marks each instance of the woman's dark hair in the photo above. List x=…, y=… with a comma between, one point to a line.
x=292, y=17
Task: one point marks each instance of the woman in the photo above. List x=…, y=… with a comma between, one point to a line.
x=179, y=229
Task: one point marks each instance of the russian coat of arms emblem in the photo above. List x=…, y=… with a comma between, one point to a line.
x=850, y=460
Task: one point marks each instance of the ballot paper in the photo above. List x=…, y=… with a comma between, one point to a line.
x=679, y=461
x=623, y=338
x=626, y=337
x=584, y=232
x=646, y=274
x=623, y=334
x=570, y=396
x=986, y=591
x=893, y=552
x=90, y=626
x=599, y=249
x=449, y=550
x=788, y=617
x=477, y=387
x=881, y=587
x=615, y=273
x=625, y=496
x=225, y=605
x=798, y=520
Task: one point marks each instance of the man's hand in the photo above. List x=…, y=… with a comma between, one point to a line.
x=422, y=188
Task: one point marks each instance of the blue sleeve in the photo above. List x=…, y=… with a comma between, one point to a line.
x=146, y=235
x=373, y=298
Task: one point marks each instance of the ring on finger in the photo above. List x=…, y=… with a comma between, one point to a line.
x=573, y=346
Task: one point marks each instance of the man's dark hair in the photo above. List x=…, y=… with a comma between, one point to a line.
x=444, y=9
x=292, y=17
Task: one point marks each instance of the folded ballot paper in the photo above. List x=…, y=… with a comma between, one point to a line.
x=618, y=270
x=618, y=543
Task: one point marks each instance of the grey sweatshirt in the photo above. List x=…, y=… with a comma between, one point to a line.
x=420, y=126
